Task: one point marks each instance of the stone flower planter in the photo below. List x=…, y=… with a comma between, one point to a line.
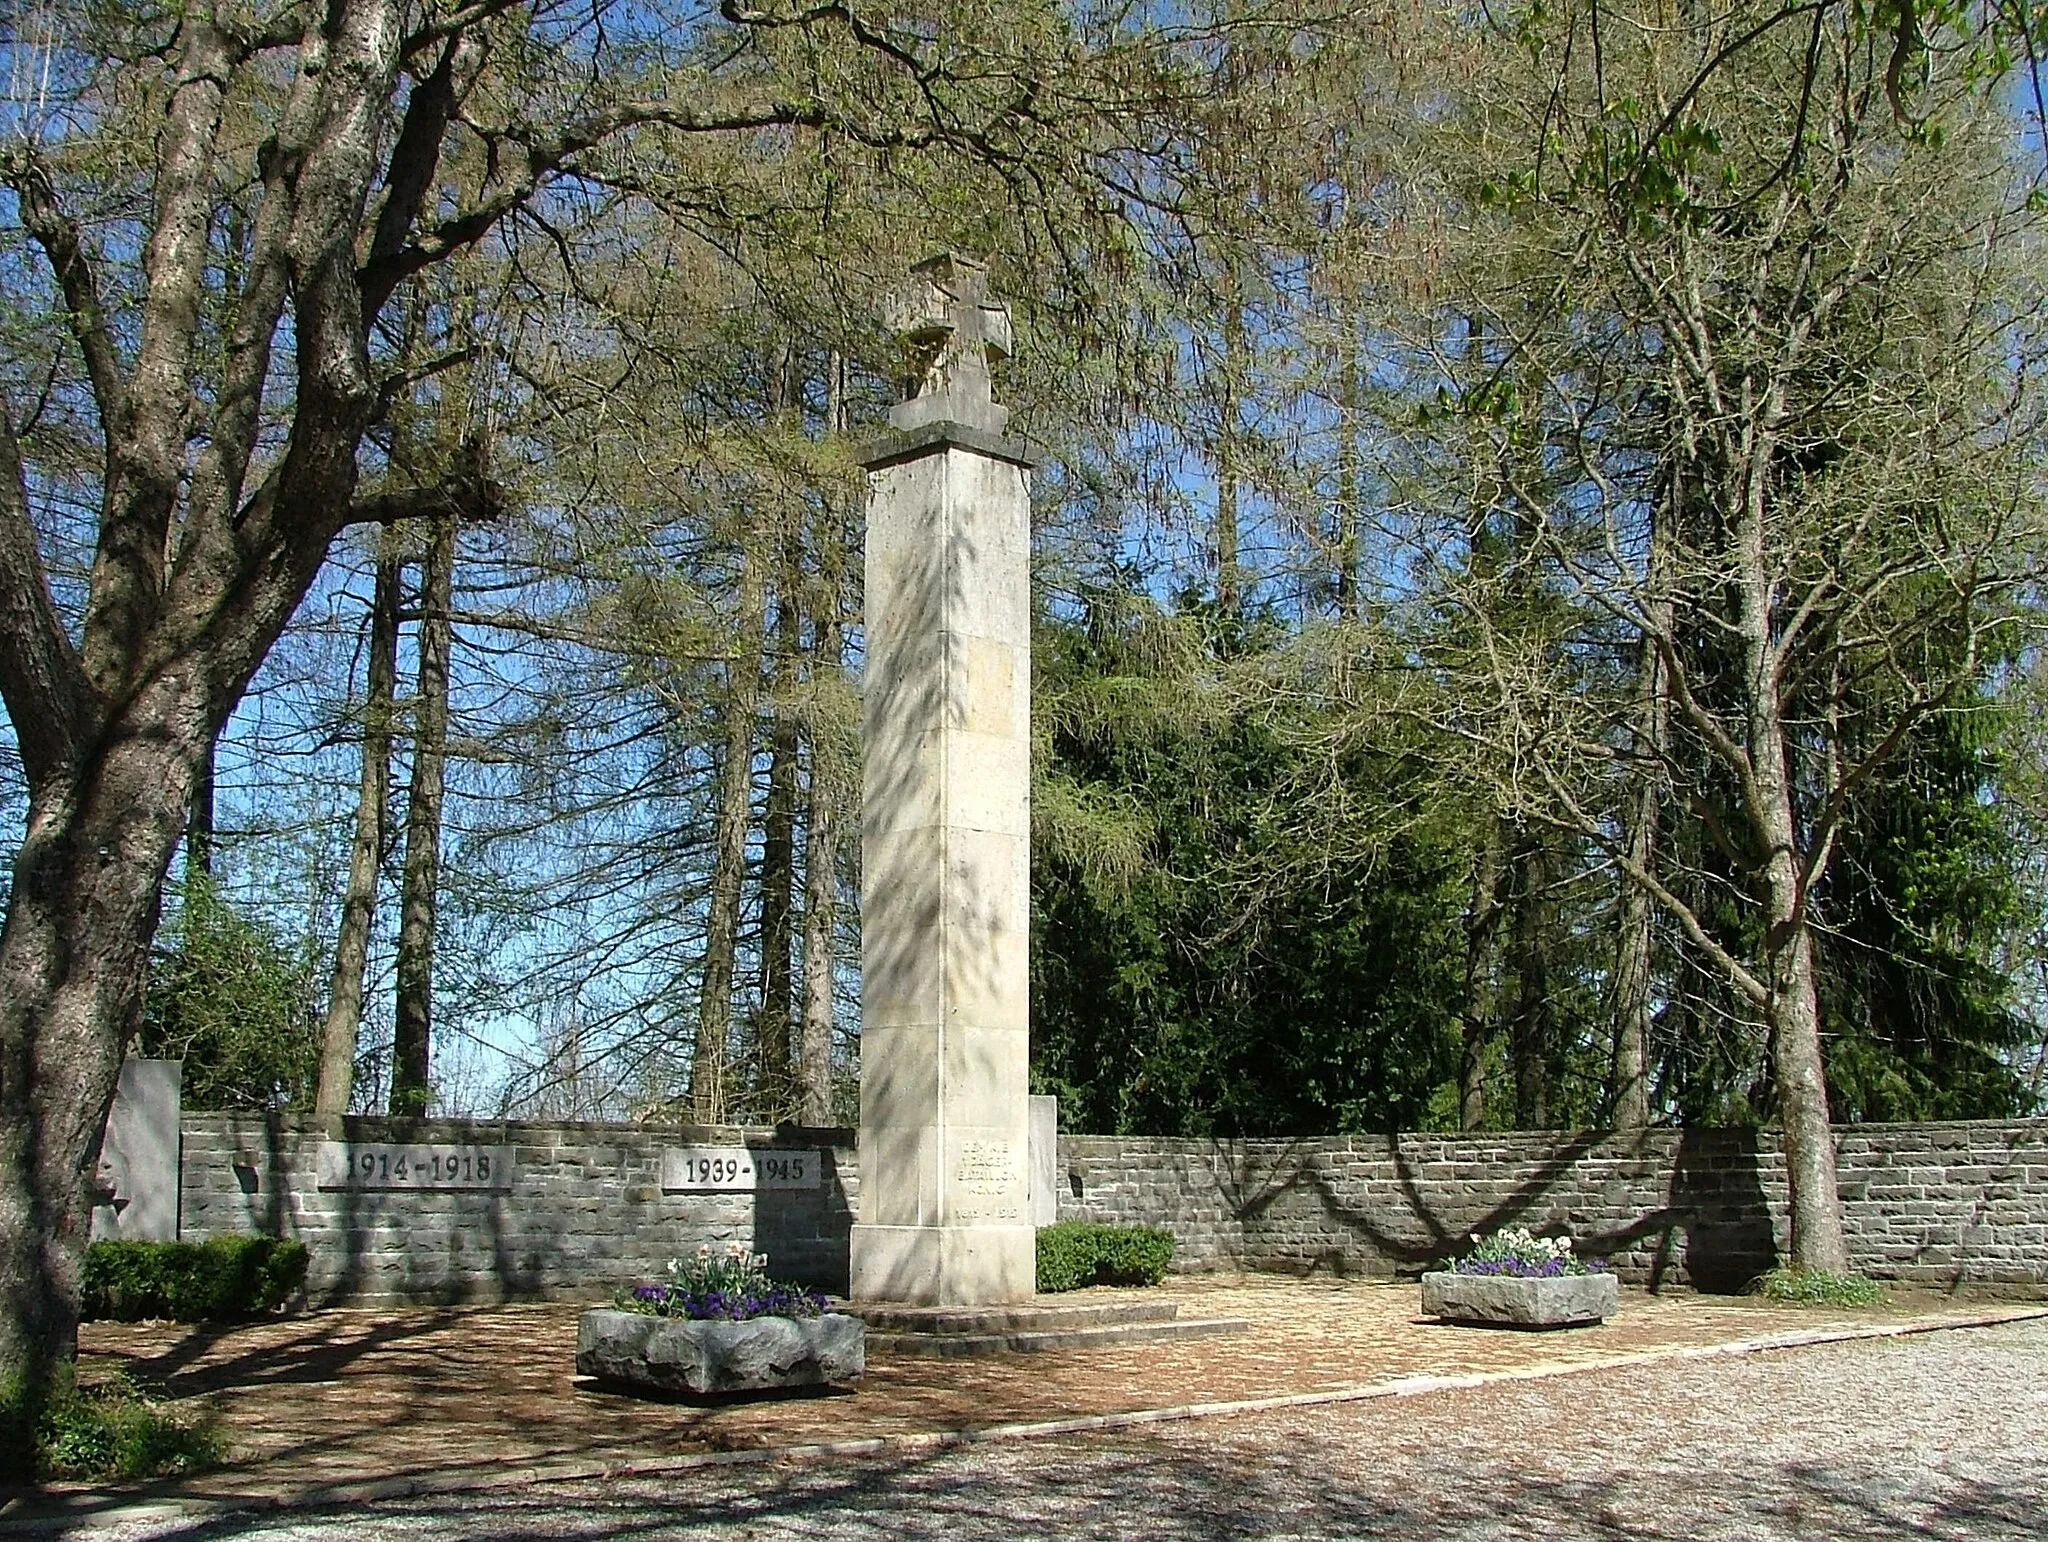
x=1563, y=1301
x=673, y=1354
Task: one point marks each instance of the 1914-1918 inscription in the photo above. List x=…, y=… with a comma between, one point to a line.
x=377, y=1165
x=738, y=1169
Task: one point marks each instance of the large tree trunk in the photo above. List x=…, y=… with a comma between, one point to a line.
x=1229, y=572
x=773, y=1021
x=1532, y=1033
x=826, y=795
x=202, y=554
x=1818, y=1240
x=707, y=1094
x=1630, y=1099
x=80, y=914
x=1793, y=1009
x=1634, y=954
x=359, y=899
x=178, y=614
x=778, y=856
x=821, y=922
x=1481, y=923
x=411, y=1047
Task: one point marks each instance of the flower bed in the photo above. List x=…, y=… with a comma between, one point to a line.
x=1520, y=1254
x=720, y=1324
x=1516, y=1279
x=732, y=1286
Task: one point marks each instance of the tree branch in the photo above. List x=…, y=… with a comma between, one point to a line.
x=547, y=156
x=40, y=678
x=460, y=20
x=147, y=455
x=58, y=235
x=415, y=156
x=1576, y=819
x=466, y=494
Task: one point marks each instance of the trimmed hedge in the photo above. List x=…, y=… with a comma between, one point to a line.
x=1077, y=1253
x=220, y=1279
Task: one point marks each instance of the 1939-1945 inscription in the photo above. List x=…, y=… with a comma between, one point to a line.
x=377, y=1165
x=738, y=1169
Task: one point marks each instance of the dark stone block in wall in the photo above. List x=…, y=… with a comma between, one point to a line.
x=1717, y=1195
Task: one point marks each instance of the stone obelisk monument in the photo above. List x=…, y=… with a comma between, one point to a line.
x=945, y=1206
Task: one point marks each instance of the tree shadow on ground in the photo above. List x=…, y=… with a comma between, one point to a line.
x=320, y=1353
x=1181, y=1490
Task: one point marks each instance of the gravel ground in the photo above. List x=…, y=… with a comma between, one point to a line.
x=1942, y=1435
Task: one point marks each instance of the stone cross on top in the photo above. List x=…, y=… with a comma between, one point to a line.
x=950, y=331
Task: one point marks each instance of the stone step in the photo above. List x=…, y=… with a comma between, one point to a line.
x=1035, y=1317
x=1029, y=1341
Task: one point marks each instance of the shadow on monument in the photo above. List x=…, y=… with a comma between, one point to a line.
x=441, y=1275
x=807, y=1232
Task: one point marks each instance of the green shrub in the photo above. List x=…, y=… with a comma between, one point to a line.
x=1066, y=1256
x=1134, y=1255
x=112, y=1431
x=1816, y=1287
x=1077, y=1253
x=220, y=1279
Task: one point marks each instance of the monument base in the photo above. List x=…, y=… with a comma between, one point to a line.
x=944, y=1265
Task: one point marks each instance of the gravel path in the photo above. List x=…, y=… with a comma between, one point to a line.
x=1944, y=1435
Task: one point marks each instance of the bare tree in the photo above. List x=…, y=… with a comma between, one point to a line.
x=709, y=1094
x=831, y=780
x=366, y=850
x=411, y=1090
x=1827, y=375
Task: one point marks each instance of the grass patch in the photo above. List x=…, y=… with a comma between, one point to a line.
x=110, y=1429
x=1816, y=1287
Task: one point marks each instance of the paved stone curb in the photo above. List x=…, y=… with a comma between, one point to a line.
x=63, y=1517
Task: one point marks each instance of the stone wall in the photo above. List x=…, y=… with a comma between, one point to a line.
x=1940, y=1205
x=585, y=1211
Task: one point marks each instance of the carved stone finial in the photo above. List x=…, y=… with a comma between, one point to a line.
x=950, y=332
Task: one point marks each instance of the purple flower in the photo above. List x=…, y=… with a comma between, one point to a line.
x=730, y=1299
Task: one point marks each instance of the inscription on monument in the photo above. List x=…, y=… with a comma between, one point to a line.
x=987, y=1168
x=345, y=1165
x=738, y=1169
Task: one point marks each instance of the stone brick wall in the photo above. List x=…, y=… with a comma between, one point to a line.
x=1940, y=1205
x=585, y=1212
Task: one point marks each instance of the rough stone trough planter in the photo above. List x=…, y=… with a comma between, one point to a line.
x=1504, y=1300
x=674, y=1354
